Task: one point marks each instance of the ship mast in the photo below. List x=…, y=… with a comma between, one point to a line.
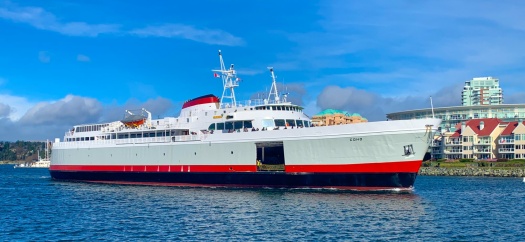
x=229, y=82
x=47, y=150
x=273, y=89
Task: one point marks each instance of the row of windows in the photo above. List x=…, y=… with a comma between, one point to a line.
x=89, y=128
x=126, y=136
x=279, y=108
x=231, y=125
x=519, y=137
x=468, y=139
x=486, y=139
x=266, y=123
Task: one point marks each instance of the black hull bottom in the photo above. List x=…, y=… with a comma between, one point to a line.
x=357, y=181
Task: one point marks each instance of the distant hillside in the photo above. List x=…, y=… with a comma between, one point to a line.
x=21, y=151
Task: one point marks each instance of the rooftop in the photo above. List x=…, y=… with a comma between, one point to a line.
x=335, y=111
x=461, y=108
x=489, y=124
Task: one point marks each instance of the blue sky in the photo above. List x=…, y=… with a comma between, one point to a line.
x=68, y=62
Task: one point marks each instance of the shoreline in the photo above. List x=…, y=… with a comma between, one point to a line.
x=472, y=171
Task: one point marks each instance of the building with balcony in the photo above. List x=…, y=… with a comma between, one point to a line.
x=482, y=91
x=481, y=98
x=511, y=143
x=482, y=128
x=481, y=139
x=336, y=117
x=454, y=116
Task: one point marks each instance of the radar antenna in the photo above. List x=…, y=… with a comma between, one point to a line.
x=229, y=82
x=285, y=94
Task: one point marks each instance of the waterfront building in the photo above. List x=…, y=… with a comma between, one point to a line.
x=512, y=141
x=482, y=128
x=336, y=117
x=482, y=91
x=481, y=139
x=452, y=116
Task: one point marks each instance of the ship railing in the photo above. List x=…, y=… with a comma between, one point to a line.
x=252, y=102
x=166, y=139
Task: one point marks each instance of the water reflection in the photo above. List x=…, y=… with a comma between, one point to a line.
x=259, y=211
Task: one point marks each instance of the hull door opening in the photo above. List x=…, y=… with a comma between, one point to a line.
x=270, y=156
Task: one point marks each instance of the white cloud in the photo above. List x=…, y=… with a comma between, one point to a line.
x=5, y=110
x=374, y=106
x=83, y=58
x=311, y=108
x=208, y=36
x=44, y=20
x=71, y=109
x=295, y=93
x=158, y=107
x=18, y=105
x=41, y=19
x=50, y=119
x=515, y=98
x=44, y=56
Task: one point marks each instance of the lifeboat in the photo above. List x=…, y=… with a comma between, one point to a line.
x=133, y=120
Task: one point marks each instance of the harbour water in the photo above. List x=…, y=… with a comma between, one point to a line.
x=34, y=207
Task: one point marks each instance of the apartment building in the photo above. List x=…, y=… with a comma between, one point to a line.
x=481, y=139
x=482, y=91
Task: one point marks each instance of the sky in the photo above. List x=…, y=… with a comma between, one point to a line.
x=65, y=62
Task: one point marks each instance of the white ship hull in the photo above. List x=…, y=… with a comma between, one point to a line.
x=344, y=152
x=265, y=142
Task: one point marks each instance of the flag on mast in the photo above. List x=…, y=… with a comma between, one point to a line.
x=216, y=75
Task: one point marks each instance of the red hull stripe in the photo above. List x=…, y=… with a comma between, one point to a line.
x=403, y=166
x=200, y=101
x=390, y=167
x=160, y=168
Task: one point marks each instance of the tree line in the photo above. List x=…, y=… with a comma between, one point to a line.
x=22, y=150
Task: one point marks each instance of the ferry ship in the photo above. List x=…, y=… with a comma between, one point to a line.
x=259, y=143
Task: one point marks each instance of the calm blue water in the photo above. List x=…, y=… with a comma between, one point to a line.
x=34, y=207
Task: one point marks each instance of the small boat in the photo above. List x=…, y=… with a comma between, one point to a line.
x=44, y=162
x=134, y=120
